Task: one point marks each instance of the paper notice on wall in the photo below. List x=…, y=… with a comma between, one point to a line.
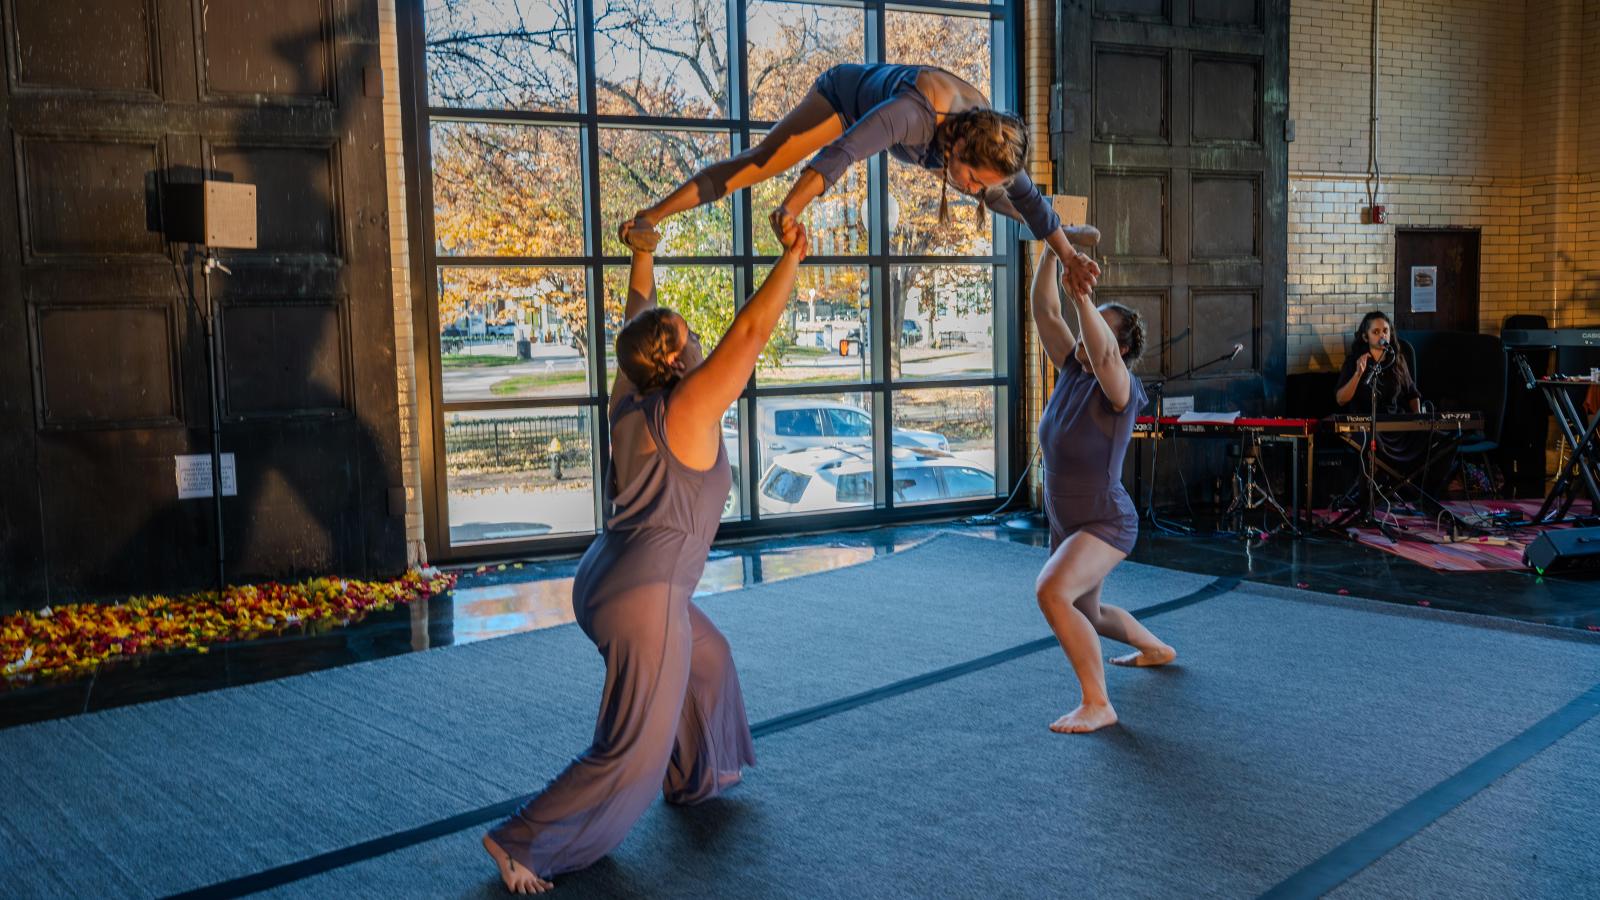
x=1424, y=289
x=194, y=476
x=1177, y=406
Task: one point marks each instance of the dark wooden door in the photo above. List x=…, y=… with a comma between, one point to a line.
x=1449, y=259
x=108, y=104
x=1171, y=120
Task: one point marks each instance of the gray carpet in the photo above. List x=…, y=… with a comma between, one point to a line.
x=1288, y=727
x=1292, y=723
x=113, y=802
x=1531, y=834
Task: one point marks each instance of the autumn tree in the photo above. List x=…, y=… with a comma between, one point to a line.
x=517, y=190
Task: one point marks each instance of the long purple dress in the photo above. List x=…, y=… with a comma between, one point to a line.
x=672, y=717
x=1083, y=442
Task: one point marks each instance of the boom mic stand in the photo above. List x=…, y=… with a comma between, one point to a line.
x=1369, y=515
x=206, y=312
x=1158, y=401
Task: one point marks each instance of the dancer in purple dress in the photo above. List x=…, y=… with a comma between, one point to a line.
x=672, y=719
x=922, y=115
x=1083, y=437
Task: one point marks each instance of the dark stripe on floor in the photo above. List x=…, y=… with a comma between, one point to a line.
x=1345, y=860
x=279, y=876
x=844, y=704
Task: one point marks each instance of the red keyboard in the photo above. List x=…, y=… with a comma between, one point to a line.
x=1144, y=425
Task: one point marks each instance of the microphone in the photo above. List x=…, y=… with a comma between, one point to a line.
x=1237, y=349
x=1384, y=343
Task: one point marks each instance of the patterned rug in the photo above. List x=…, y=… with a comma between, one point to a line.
x=1485, y=536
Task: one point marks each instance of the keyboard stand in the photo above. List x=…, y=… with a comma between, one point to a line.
x=1360, y=441
x=1582, y=437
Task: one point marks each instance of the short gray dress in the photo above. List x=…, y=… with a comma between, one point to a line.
x=1083, y=442
x=672, y=718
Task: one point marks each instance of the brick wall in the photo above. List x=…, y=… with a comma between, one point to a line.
x=1038, y=75
x=1451, y=142
x=1583, y=246
x=1489, y=118
x=400, y=274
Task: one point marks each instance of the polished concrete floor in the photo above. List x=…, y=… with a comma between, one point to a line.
x=496, y=600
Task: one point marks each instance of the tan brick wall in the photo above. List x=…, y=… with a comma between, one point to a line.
x=1449, y=98
x=1038, y=75
x=400, y=275
x=1339, y=268
x=1586, y=206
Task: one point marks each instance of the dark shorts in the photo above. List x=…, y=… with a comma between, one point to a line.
x=1108, y=515
x=852, y=89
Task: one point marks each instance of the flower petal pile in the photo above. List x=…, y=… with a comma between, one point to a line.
x=73, y=640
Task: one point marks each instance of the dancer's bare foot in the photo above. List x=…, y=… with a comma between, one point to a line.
x=1084, y=719
x=639, y=233
x=1082, y=235
x=519, y=879
x=1156, y=656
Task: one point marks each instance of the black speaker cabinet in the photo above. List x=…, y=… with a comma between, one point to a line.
x=1565, y=550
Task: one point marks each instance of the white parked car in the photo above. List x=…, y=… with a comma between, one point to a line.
x=790, y=424
x=800, y=423
x=826, y=478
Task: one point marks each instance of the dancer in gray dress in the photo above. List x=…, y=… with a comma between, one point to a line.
x=672, y=719
x=1083, y=437
x=922, y=115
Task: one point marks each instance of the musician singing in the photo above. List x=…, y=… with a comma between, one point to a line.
x=1375, y=344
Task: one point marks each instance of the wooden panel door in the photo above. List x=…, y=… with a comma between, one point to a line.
x=1171, y=119
x=108, y=105
x=1449, y=258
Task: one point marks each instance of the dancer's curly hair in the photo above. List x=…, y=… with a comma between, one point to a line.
x=1130, y=331
x=988, y=139
x=643, y=345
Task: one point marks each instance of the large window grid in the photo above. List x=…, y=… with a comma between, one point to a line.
x=964, y=263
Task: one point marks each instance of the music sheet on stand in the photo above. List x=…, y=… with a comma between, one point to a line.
x=1210, y=418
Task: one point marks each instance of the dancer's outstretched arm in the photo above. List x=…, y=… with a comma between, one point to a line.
x=641, y=296
x=1045, y=301
x=1105, y=357
x=699, y=401
x=1081, y=272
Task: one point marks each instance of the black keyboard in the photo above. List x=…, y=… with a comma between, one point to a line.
x=1345, y=423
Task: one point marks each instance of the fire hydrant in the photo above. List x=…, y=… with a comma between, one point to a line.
x=555, y=458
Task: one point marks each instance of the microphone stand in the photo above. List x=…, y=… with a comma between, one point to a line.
x=1159, y=388
x=1373, y=369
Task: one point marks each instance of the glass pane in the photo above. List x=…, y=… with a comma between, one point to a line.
x=836, y=222
x=501, y=54
x=637, y=168
x=507, y=190
x=944, y=445
x=517, y=474
x=817, y=453
x=946, y=316
x=662, y=59
x=513, y=332
x=703, y=295
x=915, y=227
x=825, y=335
x=959, y=44
x=732, y=440
x=790, y=45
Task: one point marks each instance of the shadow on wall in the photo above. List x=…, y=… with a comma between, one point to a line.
x=302, y=402
x=1583, y=305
